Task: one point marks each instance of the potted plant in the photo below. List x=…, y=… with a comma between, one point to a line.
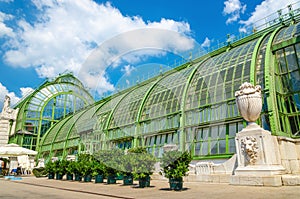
x=126, y=169
x=50, y=169
x=70, y=169
x=111, y=158
x=78, y=170
x=98, y=171
x=142, y=165
x=87, y=171
x=86, y=164
x=60, y=168
x=174, y=166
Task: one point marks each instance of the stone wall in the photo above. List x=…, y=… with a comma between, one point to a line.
x=4, y=130
x=288, y=150
x=290, y=154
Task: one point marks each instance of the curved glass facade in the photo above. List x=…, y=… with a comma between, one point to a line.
x=47, y=105
x=193, y=106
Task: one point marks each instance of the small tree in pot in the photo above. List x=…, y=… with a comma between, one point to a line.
x=78, y=170
x=87, y=171
x=70, y=169
x=86, y=165
x=111, y=158
x=98, y=171
x=174, y=166
x=60, y=168
x=126, y=169
x=50, y=169
x=142, y=165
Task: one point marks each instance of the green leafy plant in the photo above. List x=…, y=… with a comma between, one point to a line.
x=83, y=166
x=126, y=165
x=71, y=167
x=85, y=157
x=137, y=150
x=50, y=167
x=112, y=160
x=175, y=164
x=60, y=167
x=142, y=163
x=87, y=168
x=98, y=168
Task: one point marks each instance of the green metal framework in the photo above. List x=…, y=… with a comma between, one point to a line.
x=193, y=106
x=47, y=105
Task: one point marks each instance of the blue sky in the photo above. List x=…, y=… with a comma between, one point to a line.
x=112, y=44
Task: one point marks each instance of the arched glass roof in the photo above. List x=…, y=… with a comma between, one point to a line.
x=49, y=103
x=105, y=111
x=287, y=33
x=127, y=110
x=219, y=77
x=49, y=137
x=166, y=96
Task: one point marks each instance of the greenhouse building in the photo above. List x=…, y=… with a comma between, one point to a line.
x=192, y=106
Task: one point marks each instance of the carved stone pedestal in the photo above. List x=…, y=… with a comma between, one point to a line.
x=259, y=161
x=7, y=121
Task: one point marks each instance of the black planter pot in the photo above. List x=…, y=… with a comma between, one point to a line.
x=128, y=180
x=120, y=177
x=144, y=182
x=99, y=178
x=50, y=175
x=176, y=184
x=59, y=176
x=69, y=176
x=87, y=178
x=78, y=177
x=111, y=180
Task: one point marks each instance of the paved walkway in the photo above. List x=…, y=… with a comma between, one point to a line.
x=42, y=188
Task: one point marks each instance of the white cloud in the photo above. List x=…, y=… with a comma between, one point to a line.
x=13, y=97
x=127, y=69
x=26, y=91
x=233, y=8
x=68, y=31
x=4, y=29
x=266, y=8
x=3, y=92
x=132, y=47
x=206, y=43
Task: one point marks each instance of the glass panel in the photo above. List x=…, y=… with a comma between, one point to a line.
x=214, y=132
x=291, y=58
x=204, y=148
x=222, y=146
x=232, y=130
x=213, y=147
x=232, y=145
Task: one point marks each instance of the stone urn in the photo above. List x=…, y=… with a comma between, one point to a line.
x=249, y=101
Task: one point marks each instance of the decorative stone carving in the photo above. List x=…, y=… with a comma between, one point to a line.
x=249, y=101
x=250, y=149
x=257, y=150
x=7, y=112
x=7, y=121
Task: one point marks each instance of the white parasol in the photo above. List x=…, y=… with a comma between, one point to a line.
x=16, y=155
x=14, y=150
